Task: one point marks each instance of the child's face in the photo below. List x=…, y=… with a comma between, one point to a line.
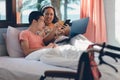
x=41, y=18
x=41, y=24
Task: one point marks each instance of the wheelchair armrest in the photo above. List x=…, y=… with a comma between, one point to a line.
x=60, y=74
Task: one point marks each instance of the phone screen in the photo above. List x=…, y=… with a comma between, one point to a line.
x=67, y=22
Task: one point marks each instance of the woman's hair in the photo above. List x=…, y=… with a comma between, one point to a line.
x=55, y=16
x=34, y=15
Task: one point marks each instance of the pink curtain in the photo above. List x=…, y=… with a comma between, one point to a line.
x=94, y=9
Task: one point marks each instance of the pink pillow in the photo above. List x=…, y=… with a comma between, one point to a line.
x=12, y=42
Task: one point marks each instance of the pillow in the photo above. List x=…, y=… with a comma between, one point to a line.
x=12, y=42
x=79, y=26
x=61, y=39
x=80, y=42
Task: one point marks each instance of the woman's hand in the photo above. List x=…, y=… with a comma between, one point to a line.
x=64, y=30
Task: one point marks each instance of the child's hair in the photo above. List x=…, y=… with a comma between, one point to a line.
x=34, y=15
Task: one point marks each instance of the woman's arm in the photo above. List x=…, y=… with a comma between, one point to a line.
x=49, y=37
x=56, y=32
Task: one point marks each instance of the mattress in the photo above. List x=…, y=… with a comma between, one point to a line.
x=22, y=69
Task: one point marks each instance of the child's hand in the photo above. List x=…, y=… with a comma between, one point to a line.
x=51, y=45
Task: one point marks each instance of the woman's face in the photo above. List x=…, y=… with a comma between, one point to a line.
x=48, y=16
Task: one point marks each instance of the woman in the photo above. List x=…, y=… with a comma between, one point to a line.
x=31, y=39
x=54, y=26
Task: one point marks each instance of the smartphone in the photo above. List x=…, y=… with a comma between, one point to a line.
x=67, y=22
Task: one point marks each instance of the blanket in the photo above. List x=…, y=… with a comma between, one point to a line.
x=66, y=55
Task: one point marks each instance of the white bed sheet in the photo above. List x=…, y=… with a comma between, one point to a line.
x=21, y=69
x=66, y=55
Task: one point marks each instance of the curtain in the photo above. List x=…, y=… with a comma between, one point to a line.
x=94, y=9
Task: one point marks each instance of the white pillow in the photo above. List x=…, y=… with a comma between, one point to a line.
x=12, y=42
x=61, y=38
x=80, y=42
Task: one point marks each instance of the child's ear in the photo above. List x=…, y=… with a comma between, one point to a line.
x=34, y=21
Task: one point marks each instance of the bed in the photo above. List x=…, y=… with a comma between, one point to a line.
x=22, y=69
x=13, y=66
x=30, y=68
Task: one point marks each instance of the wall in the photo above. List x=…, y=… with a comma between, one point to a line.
x=111, y=17
x=117, y=20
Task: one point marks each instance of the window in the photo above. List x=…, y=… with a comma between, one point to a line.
x=16, y=12
x=69, y=9
x=2, y=9
x=23, y=9
x=117, y=23
x=6, y=13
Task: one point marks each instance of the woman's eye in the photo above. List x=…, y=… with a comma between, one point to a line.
x=51, y=14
